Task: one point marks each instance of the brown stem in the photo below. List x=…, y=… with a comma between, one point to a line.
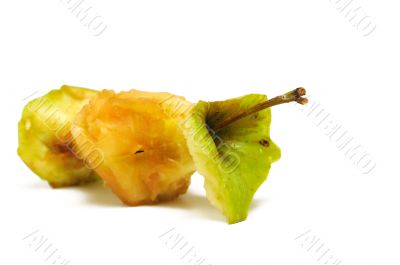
x=294, y=95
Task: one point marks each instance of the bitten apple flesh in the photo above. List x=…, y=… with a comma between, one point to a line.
x=145, y=156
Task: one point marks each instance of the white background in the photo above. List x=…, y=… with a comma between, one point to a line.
x=214, y=50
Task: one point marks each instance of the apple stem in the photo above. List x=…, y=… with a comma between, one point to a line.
x=294, y=95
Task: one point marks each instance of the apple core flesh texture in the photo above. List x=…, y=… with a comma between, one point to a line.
x=45, y=142
x=145, y=156
x=236, y=159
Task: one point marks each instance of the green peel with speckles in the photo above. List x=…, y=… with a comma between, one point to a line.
x=235, y=160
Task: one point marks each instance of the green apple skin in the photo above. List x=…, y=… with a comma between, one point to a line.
x=45, y=143
x=235, y=160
